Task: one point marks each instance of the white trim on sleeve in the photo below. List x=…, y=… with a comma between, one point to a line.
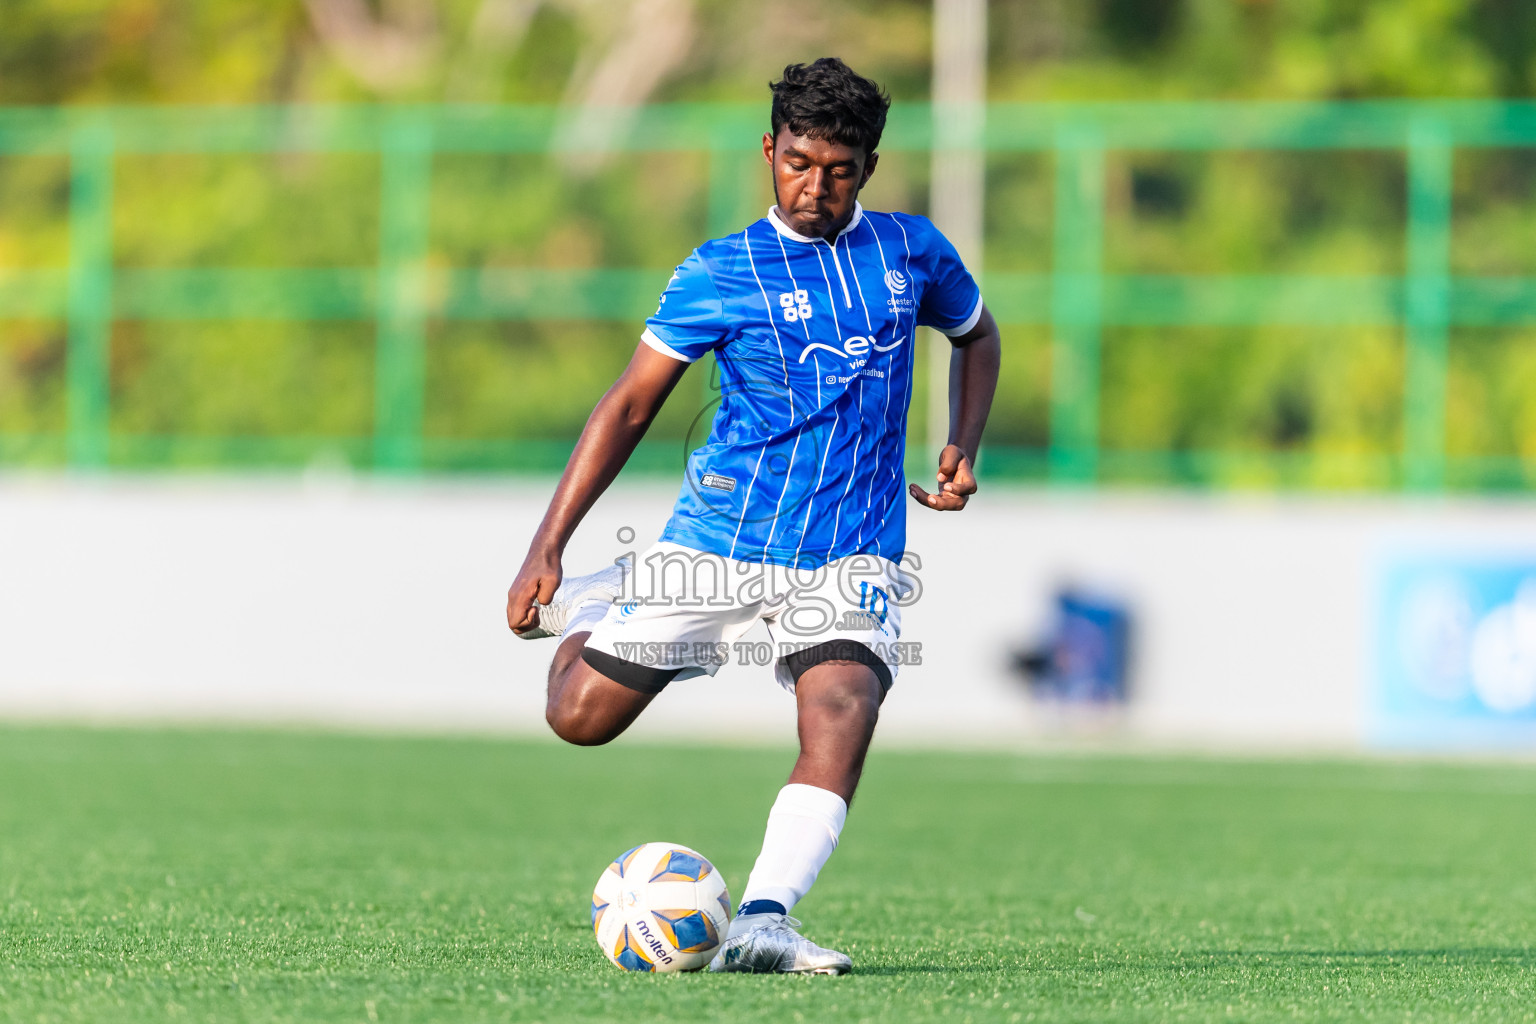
x=970, y=322
x=649, y=337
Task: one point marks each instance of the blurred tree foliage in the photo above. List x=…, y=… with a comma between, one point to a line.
x=1336, y=394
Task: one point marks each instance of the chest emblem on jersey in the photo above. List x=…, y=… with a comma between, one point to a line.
x=796, y=305
x=899, y=302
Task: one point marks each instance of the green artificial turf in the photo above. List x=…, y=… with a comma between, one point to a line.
x=250, y=876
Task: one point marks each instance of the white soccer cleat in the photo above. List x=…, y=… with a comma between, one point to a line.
x=605, y=585
x=774, y=947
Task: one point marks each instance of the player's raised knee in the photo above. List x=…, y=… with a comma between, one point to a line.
x=579, y=726
x=582, y=717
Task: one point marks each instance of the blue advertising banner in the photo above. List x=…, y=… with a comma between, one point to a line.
x=1456, y=652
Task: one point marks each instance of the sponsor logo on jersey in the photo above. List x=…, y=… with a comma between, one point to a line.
x=796, y=305
x=719, y=483
x=896, y=281
x=857, y=347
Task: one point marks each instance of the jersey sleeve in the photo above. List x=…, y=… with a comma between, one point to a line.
x=951, y=301
x=690, y=320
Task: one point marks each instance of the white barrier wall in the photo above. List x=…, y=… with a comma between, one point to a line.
x=349, y=602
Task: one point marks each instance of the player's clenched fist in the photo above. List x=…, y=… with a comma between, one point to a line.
x=956, y=482
x=537, y=580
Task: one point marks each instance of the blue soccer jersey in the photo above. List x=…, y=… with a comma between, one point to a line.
x=815, y=341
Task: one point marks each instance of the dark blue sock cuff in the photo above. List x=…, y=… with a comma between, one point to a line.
x=761, y=907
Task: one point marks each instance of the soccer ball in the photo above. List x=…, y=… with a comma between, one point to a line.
x=660, y=907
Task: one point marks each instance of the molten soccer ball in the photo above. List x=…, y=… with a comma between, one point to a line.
x=660, y=907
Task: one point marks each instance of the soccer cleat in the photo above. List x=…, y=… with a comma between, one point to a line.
x=605, y=585
x=774, y=947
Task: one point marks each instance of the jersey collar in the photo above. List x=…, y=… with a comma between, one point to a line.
x=788, y=232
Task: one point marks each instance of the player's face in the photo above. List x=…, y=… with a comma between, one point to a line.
x=815, y=182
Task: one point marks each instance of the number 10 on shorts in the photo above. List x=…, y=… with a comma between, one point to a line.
x=874, y=600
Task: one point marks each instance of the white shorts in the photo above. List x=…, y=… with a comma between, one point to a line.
x=685, y=611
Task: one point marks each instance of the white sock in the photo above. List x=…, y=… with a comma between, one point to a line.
x=802, y=832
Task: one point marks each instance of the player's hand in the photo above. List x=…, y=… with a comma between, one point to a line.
x=537, y=580
x=956, y=482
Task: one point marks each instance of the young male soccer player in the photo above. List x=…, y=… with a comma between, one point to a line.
x=812, y=314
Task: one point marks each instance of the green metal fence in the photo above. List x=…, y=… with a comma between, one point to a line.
x=1077, y=300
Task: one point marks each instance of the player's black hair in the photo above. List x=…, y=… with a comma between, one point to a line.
x=828, y=100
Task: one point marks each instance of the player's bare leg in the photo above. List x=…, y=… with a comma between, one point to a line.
x=584, y=706
x=839, y=704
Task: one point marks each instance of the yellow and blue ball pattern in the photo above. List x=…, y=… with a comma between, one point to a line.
x=622, y=863
x=630, y=955
x=683, y=866
x=689, y=931
x=598, y=906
